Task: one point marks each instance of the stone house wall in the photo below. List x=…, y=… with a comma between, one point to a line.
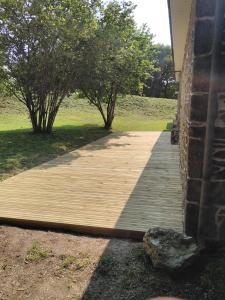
x=202, y=122
x=184, y=102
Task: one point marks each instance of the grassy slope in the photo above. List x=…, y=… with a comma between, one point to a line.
x=77, y=123
x=133, y=113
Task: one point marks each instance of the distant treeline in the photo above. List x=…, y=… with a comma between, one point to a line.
x=162, y=82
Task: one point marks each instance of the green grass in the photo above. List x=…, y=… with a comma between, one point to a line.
x=76, y=263
x=68, y=261
x=132, y=113
x=20, y=150
x=77, y=124
x=36, y=252
x=106, y=264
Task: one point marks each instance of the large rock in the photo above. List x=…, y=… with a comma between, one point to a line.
x=170, y=250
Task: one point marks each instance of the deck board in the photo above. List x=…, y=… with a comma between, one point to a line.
x=122, y=183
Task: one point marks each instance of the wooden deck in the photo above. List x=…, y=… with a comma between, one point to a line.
x=120, y=185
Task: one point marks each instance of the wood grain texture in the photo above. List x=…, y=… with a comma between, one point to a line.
x=123, y=183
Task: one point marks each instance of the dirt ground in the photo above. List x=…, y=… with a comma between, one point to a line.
x=44, y=265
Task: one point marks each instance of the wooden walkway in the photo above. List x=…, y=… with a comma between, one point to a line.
x=120, y=185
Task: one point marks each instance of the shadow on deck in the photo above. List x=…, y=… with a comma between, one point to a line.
x=118, y=186
x=152, y=190
x=166, y=212
x=157, y=196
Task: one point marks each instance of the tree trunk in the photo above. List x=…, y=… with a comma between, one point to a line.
x=108, y=124
x=42, y=110
x=33, y=118
x=42, y=123
x=165, y=90
x=111, y=108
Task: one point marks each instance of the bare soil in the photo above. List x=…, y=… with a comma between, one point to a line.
x=45, y=265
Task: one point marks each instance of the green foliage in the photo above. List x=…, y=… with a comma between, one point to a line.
x=106, y=264
x=68, y=261
x=36, y=252
x=163, y=82
x=77, y=263
x=116, y=59
x=51, y=48
x=40, y=43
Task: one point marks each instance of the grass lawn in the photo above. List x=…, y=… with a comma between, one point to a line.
x=77, y=124
x=133, y=113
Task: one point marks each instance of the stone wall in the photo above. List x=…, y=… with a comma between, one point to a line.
x=212, y=213
x=184, y=101
x=202, y=122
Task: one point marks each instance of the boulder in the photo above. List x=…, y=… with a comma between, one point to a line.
x=170, y=250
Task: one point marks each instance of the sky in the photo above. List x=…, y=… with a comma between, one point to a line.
x=155, y=14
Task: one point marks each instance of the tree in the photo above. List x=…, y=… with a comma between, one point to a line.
x=115, y=60
x=163, y=82
x=40, y=41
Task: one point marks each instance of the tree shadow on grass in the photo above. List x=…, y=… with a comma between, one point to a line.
x=21, y=150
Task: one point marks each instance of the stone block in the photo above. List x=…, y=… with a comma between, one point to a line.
x=218, y=169
x=216, y=193
x=209, y=228
x=194, y=190
x=197, y=132
x=219, y=133
x=195, y=168
x=220, y=222
x=195, y=158
x=191, y=219
x=205, y=8
x=204, y=32
x=201, y=74
x=220, y=120
x=199, y=108
x=196, y=149
x=221, y=102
